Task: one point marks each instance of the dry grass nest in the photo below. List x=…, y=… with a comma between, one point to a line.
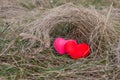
x=83, y=24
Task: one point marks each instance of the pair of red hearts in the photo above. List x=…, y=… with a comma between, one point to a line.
x=71, y=47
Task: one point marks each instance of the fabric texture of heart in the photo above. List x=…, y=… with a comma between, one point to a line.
x=69, y=46
x=59, y=45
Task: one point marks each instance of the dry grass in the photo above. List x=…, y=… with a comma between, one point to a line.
x=88, y=26
x=26, y=39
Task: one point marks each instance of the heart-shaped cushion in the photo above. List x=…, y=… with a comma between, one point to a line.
x=59, y=45
x=76, y=51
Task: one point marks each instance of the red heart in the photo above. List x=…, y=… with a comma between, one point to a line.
x=76, y=51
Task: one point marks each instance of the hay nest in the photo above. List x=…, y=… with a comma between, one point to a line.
x=88, y=25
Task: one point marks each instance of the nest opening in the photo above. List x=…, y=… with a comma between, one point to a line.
x=62, y=30
x=68, y=31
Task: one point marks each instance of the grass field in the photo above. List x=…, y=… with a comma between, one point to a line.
x=19, y=60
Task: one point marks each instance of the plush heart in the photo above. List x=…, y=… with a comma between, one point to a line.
x=76, y=51
x=59, y=45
